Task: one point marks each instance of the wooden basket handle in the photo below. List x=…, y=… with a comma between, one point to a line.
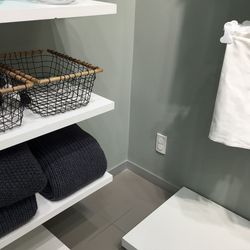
x=27, y=84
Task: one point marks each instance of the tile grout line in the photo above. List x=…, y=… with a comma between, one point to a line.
x=112, y=223
x=120, y=218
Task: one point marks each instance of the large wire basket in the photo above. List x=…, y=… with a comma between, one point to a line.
x=61, y=83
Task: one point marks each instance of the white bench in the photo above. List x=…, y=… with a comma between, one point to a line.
x=188, y=221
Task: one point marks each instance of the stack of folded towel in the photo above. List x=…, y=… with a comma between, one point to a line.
x=56, y=165
x=70, y=159
x=20, y=178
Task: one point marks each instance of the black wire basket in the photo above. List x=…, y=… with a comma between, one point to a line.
x=61, y=83
x=13, y=99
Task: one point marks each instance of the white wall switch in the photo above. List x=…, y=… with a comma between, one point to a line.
x=161, y=144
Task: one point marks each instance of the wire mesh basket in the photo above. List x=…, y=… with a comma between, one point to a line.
x=13, y=99
x=61, y=83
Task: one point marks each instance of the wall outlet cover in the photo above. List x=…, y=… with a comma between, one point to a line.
x=161, y=144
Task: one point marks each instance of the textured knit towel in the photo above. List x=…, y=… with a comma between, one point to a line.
x=231, y=120
x=21, y=175
x=70, y=158
x=16, y=215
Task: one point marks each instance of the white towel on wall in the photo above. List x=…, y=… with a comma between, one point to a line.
x=231, y=120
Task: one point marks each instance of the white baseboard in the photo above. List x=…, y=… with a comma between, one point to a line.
x=157, y=180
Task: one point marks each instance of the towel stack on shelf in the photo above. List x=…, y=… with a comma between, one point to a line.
x=56, y=165
x=20, y=178
x=70, y=159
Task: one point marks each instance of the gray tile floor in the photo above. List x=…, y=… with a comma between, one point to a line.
x=101, y=220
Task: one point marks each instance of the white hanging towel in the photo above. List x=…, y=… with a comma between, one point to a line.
x=231, y=120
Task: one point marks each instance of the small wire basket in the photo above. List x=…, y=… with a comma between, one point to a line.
x=13, y=99
x=61, y=83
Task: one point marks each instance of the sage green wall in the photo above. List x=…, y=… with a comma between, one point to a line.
x=107, y=41
x=177, y=63
x=26, y=35
x=103, y=40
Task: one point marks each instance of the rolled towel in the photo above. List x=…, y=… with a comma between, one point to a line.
x=70, y=158
x=16, y=215
x=21, y=176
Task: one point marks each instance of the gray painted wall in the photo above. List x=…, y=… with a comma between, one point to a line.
x=107, y=41
x=104, y=40
x=177, y=63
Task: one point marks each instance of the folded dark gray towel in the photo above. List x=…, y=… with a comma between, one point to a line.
x=70, y=158
x=16, y=215
x=21, y=176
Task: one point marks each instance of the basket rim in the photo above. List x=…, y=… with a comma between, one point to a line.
x=92, y=69
x=26, y=83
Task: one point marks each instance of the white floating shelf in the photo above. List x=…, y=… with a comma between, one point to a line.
x=191, y=222
x=27, y=10
x=34, y=125
x=39, y=239
x=48, y=209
